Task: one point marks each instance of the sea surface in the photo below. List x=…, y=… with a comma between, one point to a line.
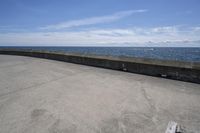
x=166, y=53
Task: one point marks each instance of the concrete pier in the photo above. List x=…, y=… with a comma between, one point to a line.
x=178, y=70
x=47, y=96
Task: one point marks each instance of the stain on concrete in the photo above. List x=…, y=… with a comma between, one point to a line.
x=61, y=127
x=128, y=123
x=36, y=113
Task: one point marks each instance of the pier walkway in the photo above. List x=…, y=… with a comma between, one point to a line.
x=47, y=96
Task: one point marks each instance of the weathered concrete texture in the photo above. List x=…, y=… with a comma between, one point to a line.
x=46, y=96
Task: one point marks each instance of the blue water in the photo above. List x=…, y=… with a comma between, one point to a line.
x=169, y=53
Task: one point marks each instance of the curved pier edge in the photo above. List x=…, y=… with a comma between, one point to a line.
x=177, y=70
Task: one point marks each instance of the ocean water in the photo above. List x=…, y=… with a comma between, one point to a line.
x=166, y=53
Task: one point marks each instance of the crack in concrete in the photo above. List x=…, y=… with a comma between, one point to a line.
x=13, y=65
x=152, y=105
x=30, y=87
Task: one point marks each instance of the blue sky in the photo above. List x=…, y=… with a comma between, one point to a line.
x=100, y=23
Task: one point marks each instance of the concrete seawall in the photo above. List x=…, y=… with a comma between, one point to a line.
x=178, y=70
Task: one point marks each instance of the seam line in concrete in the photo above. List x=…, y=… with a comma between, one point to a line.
x=38, y=85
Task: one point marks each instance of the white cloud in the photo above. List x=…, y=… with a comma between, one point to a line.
x=107, y=37
x=165, y=29
x=196, y=28
x=93, y=20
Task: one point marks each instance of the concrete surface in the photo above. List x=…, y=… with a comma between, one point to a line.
x=46, y=96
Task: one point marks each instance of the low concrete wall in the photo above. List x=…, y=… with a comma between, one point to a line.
x=184, y=71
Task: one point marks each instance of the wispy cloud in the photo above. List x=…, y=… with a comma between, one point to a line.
x=196, y=28
x=93, y=20
x=162, y=36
